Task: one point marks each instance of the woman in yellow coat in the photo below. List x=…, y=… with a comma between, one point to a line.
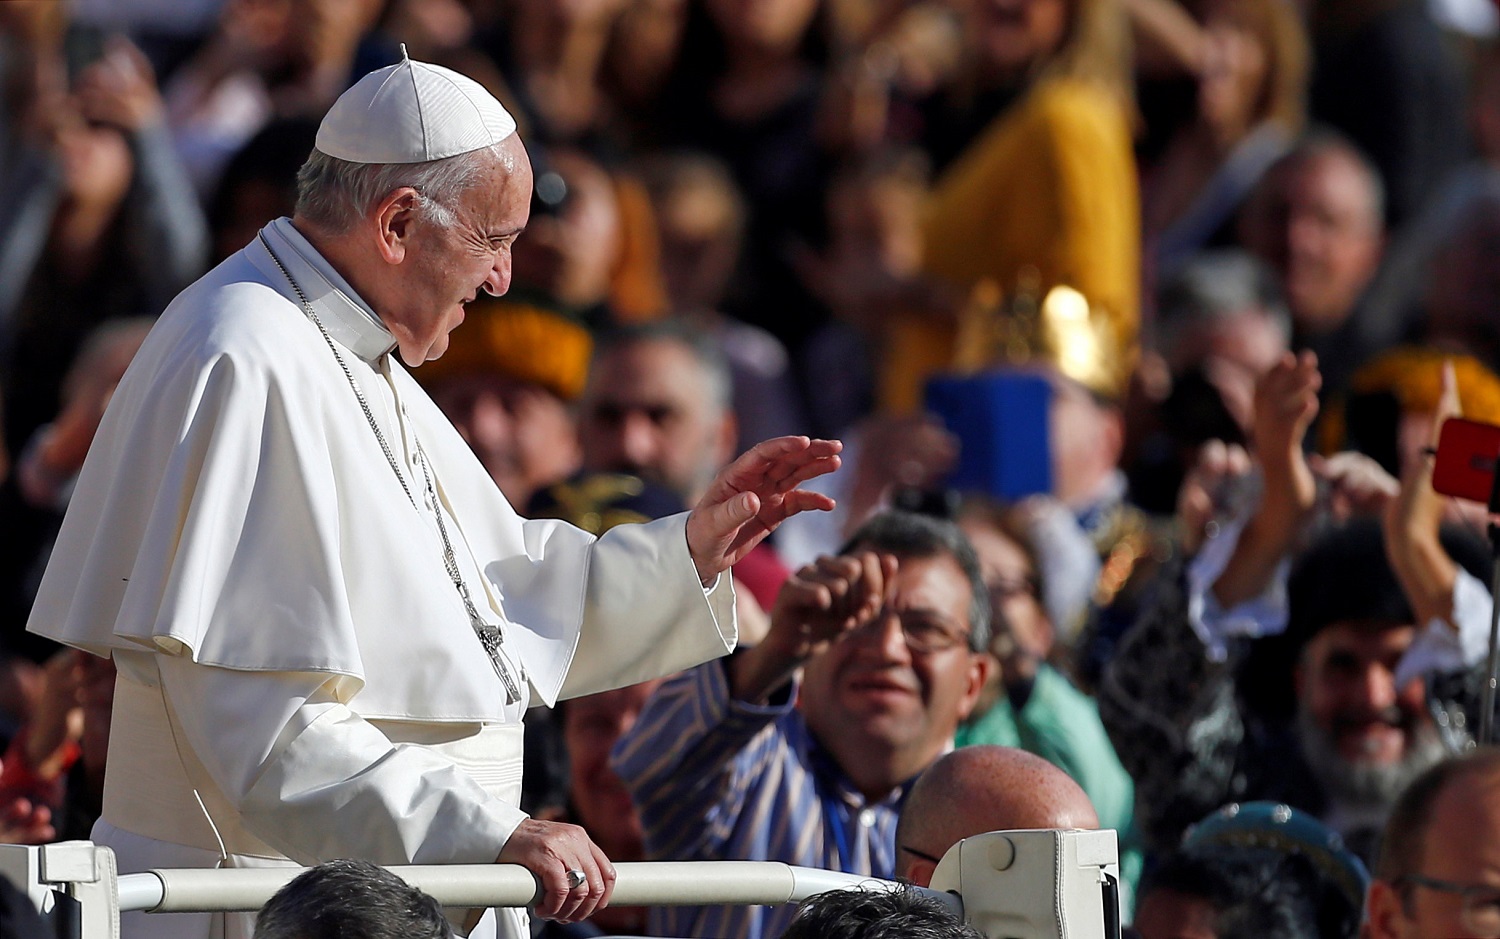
x=1046, y=194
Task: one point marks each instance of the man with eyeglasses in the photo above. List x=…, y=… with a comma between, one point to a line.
x=747, y=760
x=1439, y=868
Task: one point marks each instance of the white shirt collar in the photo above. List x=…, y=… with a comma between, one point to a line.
x=349, y=320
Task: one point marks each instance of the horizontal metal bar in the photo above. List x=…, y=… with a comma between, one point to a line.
x=649, y=883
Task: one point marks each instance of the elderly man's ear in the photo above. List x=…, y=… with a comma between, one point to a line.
x=1384, y=914
x=393, y=217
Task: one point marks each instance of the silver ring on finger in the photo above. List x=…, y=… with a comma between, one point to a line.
x=576, y=879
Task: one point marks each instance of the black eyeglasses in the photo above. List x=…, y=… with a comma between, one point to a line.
x=921, y=854
x=1481, y=902
x=924, y=634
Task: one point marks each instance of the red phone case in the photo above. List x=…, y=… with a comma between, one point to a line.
x=1466, y=455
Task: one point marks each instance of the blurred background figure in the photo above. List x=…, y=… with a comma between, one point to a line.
x=1438, y=861
x=510, y=383
x=1251, y=98
x=1317, y=218
x=105, y=224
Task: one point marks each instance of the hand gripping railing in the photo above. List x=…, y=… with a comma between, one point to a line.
x=1015, y=884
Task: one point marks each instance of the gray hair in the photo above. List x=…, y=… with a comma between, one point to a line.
x=705, y=348
x=1215, y=285
x=334, y=193
x=914, y=535
x=347, y=898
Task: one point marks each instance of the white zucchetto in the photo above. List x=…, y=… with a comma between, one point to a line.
x=412, y=112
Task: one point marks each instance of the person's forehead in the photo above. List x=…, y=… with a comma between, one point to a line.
x=997, y=552
x=934, y=583
x=1362, y=639
x=1462, y=840
x=652, y=367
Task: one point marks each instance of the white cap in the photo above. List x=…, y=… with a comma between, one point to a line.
x=412, y=113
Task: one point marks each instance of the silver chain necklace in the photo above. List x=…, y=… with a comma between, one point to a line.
x=489, y=635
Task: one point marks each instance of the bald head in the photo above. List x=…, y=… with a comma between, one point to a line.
x=984, y=788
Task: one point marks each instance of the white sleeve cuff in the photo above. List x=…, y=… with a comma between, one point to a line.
x=1263, y=615
x=1439, y=647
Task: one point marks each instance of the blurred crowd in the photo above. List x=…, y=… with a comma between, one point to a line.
x=1158, y=304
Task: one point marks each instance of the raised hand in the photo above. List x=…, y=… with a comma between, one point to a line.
x=1286, y=401
x=818, y=604
x=753, y=495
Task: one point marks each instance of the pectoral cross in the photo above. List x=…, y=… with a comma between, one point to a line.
x=492, y=640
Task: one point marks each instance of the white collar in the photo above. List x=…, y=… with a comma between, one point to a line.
x=348, y=319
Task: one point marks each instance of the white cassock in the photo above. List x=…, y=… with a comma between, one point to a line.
x=292, y=651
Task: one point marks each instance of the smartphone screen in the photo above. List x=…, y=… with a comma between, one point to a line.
x=1466, y=456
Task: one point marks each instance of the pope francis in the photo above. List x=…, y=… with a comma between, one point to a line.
x=326, y=619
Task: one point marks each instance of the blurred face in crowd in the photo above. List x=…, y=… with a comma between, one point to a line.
x=1364, y=736
x=591, y=725
x=95, y=160
x=649, y=412
x=1016, y=36
x=1315, y=220
x=1463, y=284
x=524, y=434
x=1460, y=854
x=1086, y=439
x=1172, y=914
x=1231, y=86
x=875, y=702
x=699, y=220
x=1020, y=622
x=571, y=253
x=770, y=26
x=441, y=268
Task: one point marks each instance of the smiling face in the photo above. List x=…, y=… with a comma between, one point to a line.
x=442, y=268
x=884, y=710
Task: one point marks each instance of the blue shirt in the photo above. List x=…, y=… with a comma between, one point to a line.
x=720, y=779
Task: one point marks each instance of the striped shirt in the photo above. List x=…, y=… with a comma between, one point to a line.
x=720, y=779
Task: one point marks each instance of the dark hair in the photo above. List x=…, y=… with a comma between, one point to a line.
x=1345, y=577
x=1255, y=894
x=910, y=535
x=1401, y=844
x=902, y=913
x=348, y=899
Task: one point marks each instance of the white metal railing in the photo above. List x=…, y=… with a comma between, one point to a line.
x=1023, y=884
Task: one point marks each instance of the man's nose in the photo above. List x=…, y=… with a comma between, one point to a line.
x=497, y=281
x=882, y=639
x=489, y=421
x=1377, y=689
x=638, y=440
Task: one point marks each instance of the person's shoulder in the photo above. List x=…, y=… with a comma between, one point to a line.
x=233, y=313
x=1075, y=105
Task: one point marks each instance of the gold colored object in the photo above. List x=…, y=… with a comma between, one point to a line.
x=588, y=502
x=1059, y=328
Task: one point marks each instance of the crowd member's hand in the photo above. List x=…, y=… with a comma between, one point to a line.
x=909, y=452
x=820, y=602
x=752, y=496
x=120, y=88
x=1357, y=484
x=550, y=850
x=1286, y=401
x=1412, y=521
x=56, y=724
x=1207, y=491
x=25, y=822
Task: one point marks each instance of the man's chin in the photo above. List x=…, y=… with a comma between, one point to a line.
x=1354, y=772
